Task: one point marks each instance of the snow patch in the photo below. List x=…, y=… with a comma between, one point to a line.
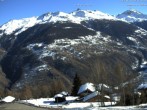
x=8, y=99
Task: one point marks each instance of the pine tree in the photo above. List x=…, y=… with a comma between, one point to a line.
x=76, y=85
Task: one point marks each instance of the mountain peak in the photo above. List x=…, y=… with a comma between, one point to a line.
x=132, y=11
x=91, y=14
x=132, y=16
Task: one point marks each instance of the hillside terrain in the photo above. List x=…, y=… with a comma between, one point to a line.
x=44, y=53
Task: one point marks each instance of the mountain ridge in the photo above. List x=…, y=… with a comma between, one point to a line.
x=75, y=16
x=57, y=47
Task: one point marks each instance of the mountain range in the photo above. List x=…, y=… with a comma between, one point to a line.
x=50, y=49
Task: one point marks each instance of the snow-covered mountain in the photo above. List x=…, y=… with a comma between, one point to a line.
x=18, y=26
x=54, y=47
x=132, y=16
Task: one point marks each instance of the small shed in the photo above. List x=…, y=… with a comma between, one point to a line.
x=59, y=98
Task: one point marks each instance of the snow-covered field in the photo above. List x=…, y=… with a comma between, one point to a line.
x=49, y=103
x=71, y=105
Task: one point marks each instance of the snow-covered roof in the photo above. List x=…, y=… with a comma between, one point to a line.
x=143, y=66
x=58, y=95
x=8, y=99
x=61, y=94
x=90, y=96
x=106, y=96
x=87, y=86
x=64, y=93
x=71, y=98
x=142, y=86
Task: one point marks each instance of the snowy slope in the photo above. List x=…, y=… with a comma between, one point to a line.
x=132, y=16
x=18, y=26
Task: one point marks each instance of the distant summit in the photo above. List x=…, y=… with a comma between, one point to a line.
x=132, y=16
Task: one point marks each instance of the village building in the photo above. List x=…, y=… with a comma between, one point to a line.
x=142, y=87
x=61, y=97
x=86, y=89
x=88, y=93
x=104, y=88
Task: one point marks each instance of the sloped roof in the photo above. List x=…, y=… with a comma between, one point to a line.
x=87, y=86
x=61, y=94
x=64, y=93
x=58, y=95
x=142, y=86
x=90, y=96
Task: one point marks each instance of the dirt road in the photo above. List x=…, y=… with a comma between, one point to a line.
x=17, y=106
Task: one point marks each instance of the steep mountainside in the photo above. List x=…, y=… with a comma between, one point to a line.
x=56, y=46
x=142, y=24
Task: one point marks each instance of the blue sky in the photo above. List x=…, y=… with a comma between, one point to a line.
x=16, y=9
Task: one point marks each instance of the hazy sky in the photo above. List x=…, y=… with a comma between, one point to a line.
x=16, y=9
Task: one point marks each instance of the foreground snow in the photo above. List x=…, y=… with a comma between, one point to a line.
x=8, y=99
x=49, y=103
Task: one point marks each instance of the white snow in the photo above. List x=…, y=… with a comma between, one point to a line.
x=21, y=25
x=88, y=14
x=106, y=96
x=143, y=66
x=31, y=46
x=87, y=86
x=56, y=49
x=49, y=103
x=141, y=31
x=41, y=68
x=71, y=98
x=132, y=16
x=58, y=95
x=61, y=94
x=132, y=39
x=8, y=99
x=142, y=86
